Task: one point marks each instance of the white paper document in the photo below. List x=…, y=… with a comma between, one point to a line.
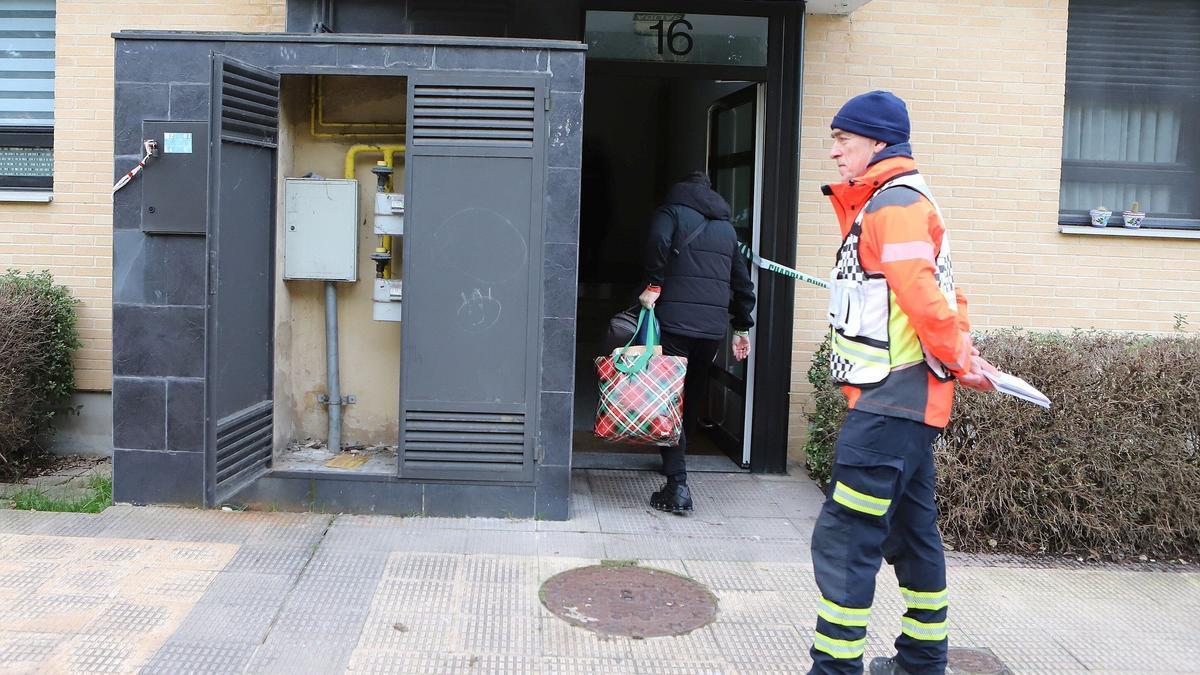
x=1015, y=386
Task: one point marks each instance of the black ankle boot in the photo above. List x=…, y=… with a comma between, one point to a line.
x=673, y=497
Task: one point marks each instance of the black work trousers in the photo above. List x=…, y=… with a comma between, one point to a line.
x=880, y=506
x=700, y=353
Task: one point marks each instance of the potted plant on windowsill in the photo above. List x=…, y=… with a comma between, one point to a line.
x=1133, y=217
x=1100, y=216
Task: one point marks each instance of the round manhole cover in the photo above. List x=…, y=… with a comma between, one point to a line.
x=971, y=661
x=629, y=601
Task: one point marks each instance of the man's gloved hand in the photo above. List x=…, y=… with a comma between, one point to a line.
x=649, y=296
x=741, y=345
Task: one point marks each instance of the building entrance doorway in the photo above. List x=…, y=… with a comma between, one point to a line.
x=641, y=134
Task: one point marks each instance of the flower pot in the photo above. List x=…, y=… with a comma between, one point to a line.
x=1133, y=219
x=1100, y=217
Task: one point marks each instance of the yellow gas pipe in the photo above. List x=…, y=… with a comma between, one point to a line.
x=389, y=152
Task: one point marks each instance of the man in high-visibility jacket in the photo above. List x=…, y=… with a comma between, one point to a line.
x=900, y=338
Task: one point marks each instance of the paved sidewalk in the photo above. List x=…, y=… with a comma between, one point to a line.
x=163, y=590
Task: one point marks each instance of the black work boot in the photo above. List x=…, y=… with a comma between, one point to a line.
x=887, y=665
x=673, y=497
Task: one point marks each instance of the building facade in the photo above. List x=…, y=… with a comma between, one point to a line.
x=1026, y=114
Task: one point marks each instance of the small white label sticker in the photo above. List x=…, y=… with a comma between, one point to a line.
x=177, y=142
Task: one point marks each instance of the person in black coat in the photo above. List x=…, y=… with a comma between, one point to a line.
x=697, y=283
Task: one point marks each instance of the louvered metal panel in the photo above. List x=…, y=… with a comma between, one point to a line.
x=244, y=442
x=438, y=442
x=240, y=313
x=503, y=116
x=249, y=105
x=1148, y=44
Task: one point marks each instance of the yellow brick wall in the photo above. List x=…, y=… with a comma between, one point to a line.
x=984, y=83
x=71, y=236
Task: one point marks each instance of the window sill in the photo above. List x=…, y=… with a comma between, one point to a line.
x=1144, y=232
x=33, y=196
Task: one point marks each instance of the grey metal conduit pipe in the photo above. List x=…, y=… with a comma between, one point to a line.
x=332, y=376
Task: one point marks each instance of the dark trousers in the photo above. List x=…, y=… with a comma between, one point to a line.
x=700, y=353
x=880, y=506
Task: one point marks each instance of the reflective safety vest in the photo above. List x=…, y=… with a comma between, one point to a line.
x=864, y=350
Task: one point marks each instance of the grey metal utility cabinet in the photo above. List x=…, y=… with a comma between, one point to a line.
x=490, y=252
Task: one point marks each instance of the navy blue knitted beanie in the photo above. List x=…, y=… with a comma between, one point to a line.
x=880, y=115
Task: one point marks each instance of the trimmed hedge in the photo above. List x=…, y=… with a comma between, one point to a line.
x=1112, y=469
x=37, y=378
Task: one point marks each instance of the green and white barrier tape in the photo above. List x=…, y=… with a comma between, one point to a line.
x=772, y=266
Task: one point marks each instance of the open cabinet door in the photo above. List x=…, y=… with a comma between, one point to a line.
x=734, y=152
x=239, y=349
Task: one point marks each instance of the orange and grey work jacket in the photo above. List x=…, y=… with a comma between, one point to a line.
x=899, y=326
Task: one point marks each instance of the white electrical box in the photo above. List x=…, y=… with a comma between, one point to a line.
x=320, y=233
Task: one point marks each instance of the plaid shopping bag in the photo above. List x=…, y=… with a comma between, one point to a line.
x=641, y=393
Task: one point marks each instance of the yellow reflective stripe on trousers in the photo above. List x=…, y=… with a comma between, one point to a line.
x=843, y=616
x=933, y=600
x=858, y=501
x=839, y=649
x=858, y=352
x=923, y=631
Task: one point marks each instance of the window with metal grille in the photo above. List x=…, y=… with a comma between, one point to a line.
x=1131, y=129
x=26, y=94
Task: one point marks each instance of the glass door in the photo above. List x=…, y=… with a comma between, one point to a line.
x=734, y=156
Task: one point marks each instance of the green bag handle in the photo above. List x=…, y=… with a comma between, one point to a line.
x=652, y=340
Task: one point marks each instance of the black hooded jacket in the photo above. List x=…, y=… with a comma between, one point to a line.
x=705, y=285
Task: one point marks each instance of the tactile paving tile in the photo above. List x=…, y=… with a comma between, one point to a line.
x=342, y=563
x=269, y=560
x=319, y=592
x=97, y=654
x=519, y=571
x=401, y=631
x=249, y=589
x=52, y=549
x=51, y=612
x=698, y=645
x=684, y=666
x=434, y=597
x=766, y=643
x=492, y=634
x=336, y=622
x=23, y=651
x=198, y=658
x=514, y=664
x=25, y=576
x=129, y=618
x=243, y=624
x=726, y=576
x=117, y=553
x=576, y=665
x=378, y=662
x=317, y=654
x=424, y=566
x=167, y=585
x=762, y=607
x=560, y=638
x=498, y=600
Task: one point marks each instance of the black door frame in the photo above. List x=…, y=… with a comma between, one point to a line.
x=781, y=166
